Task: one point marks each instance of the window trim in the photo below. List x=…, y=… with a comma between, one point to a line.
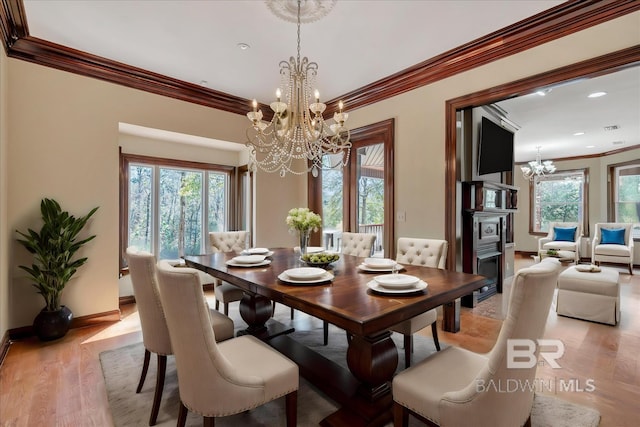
x=126, y=159
x=611, y=174
x=585, y=203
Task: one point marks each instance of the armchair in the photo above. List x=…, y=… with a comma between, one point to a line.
x=219, y=379
x=457, y=387
x=358, y=244
x=429, y=253
x=563, y=237
x=227, y=241
x=613, y=243
x=155, y=335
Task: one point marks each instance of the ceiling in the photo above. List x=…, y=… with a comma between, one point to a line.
x=356, y=44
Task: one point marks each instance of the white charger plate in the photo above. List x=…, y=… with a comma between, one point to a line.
x=327, y=277
x=232, y=263
x=266, y=254
x=397, y=281
x=375, y=286
x=363, y=267
x=304, y=273
x=248, y=259
x=385, y=263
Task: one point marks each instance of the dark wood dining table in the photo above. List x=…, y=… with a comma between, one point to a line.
x=364, y=390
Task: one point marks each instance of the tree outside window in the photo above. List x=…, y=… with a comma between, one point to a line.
x=627, y=193
x=167, y=205
x=559, y=197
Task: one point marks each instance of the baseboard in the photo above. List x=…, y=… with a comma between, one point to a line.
x=129, y=299
x=77, y=322
x=4, y=347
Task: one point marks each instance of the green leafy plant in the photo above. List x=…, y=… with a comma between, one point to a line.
x=53, y=249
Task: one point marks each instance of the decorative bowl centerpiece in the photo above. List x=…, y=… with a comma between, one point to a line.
x=320, y=259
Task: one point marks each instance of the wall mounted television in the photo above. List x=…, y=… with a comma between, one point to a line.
x=495, y=148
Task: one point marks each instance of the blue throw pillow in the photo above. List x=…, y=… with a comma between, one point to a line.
x=612, y=236
x=564, y=234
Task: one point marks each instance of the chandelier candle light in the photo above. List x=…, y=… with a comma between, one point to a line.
x=297, y=138
x=537, y=167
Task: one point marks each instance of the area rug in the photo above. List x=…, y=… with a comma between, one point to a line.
x=121, y=368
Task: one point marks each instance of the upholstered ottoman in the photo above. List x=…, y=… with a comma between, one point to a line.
x=593, y=296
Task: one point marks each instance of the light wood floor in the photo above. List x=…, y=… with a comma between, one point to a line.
x=61, y=384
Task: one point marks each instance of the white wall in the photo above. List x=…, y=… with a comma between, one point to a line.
x=420, y=117
x=64, y=144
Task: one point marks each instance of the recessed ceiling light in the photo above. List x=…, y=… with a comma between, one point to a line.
x=578, y=133
x=203, y=82
x=543, y=92
x=597, y=94
x=591, y=146
x=243, y=46
x=612, y=127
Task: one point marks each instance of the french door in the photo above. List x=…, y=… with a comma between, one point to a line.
x=359, y=197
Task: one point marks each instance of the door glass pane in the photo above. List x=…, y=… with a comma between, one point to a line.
x=217, y=201
x=370, y=196
x=180, y=213
x=140, y=207
x=332, y=206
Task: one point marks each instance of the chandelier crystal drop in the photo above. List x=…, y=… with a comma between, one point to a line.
x=297, y=140
x=537, y=167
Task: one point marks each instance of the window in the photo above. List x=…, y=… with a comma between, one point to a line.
x=626, y=192
x=170, y=206
x=559, y=197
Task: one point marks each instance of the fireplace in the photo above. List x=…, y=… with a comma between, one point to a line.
x=483, y=248
x=488, y=265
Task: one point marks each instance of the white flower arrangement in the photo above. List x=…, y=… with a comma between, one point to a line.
x=302, y=219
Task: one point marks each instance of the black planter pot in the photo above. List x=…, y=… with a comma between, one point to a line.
x=51, y=325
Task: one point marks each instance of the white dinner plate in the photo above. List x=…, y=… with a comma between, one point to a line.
x=397, y=281
x=305, y=273
x=249, y=259
x=375, y=286
x=257, y=251
x=363, y=267
x=266, y=254
x=327, y=277
x=232, y=263
x=379, y=263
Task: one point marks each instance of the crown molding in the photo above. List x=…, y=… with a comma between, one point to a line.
x=548, y=25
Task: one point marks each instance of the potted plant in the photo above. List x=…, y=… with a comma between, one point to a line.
x=53, y=249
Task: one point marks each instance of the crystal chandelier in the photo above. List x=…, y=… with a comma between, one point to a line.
x=297, y=138
x=537, y=167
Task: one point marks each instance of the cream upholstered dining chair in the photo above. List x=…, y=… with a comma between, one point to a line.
x=427, y=253
x=562, y=236
x=456, y=387
x=357, y=244
x=613, y=242
x=227, y=241
x=155, y=335
x=219, y=379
